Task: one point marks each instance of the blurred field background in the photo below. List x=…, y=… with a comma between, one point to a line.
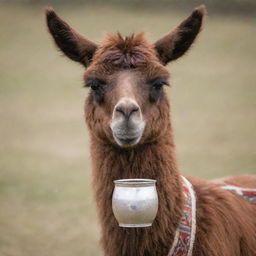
x=46, y=203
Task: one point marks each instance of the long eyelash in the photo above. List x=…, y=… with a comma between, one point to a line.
x=93, y=81
x=159, y=81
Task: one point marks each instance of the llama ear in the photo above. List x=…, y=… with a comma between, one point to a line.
x=71, y=43
x=174, y=44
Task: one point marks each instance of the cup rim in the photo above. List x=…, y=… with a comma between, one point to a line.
x=135, y=182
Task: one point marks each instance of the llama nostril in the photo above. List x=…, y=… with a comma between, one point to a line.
x=120, y=110
x=135, y=109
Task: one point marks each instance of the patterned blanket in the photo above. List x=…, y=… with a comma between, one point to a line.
x=185, y=233
x=246, y=193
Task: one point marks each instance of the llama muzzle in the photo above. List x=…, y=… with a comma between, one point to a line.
x=127, y=124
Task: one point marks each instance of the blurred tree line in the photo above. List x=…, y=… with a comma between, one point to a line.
x=245, y=7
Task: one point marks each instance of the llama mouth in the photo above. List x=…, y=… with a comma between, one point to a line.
x=125, y=136
x=126, y=141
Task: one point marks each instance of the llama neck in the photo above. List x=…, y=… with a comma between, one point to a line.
x=153, y=161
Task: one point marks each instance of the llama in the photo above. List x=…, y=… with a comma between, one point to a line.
x=131, y=136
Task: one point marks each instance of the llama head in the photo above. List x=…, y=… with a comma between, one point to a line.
x=127, y=103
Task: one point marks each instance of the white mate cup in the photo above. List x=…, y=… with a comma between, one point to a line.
x=135, y=202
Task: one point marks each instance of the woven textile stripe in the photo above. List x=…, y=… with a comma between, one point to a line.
x=185, y=233
x=247, y=193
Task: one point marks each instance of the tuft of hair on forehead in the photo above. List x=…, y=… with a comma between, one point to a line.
x=125, y=52
x=124, y=43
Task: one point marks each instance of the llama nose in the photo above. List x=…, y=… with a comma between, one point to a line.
x=126, y=108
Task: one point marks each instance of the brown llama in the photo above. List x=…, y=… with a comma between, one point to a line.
x=127, y=113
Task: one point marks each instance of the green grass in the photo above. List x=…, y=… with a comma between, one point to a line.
x=46, y=204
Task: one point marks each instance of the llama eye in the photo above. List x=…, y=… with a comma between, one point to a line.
x=158, y=86
x=155, y=90
x=95, y=84
x=158, y=83
x=97, y=89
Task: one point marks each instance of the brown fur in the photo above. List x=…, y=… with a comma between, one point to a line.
x=226, y=223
